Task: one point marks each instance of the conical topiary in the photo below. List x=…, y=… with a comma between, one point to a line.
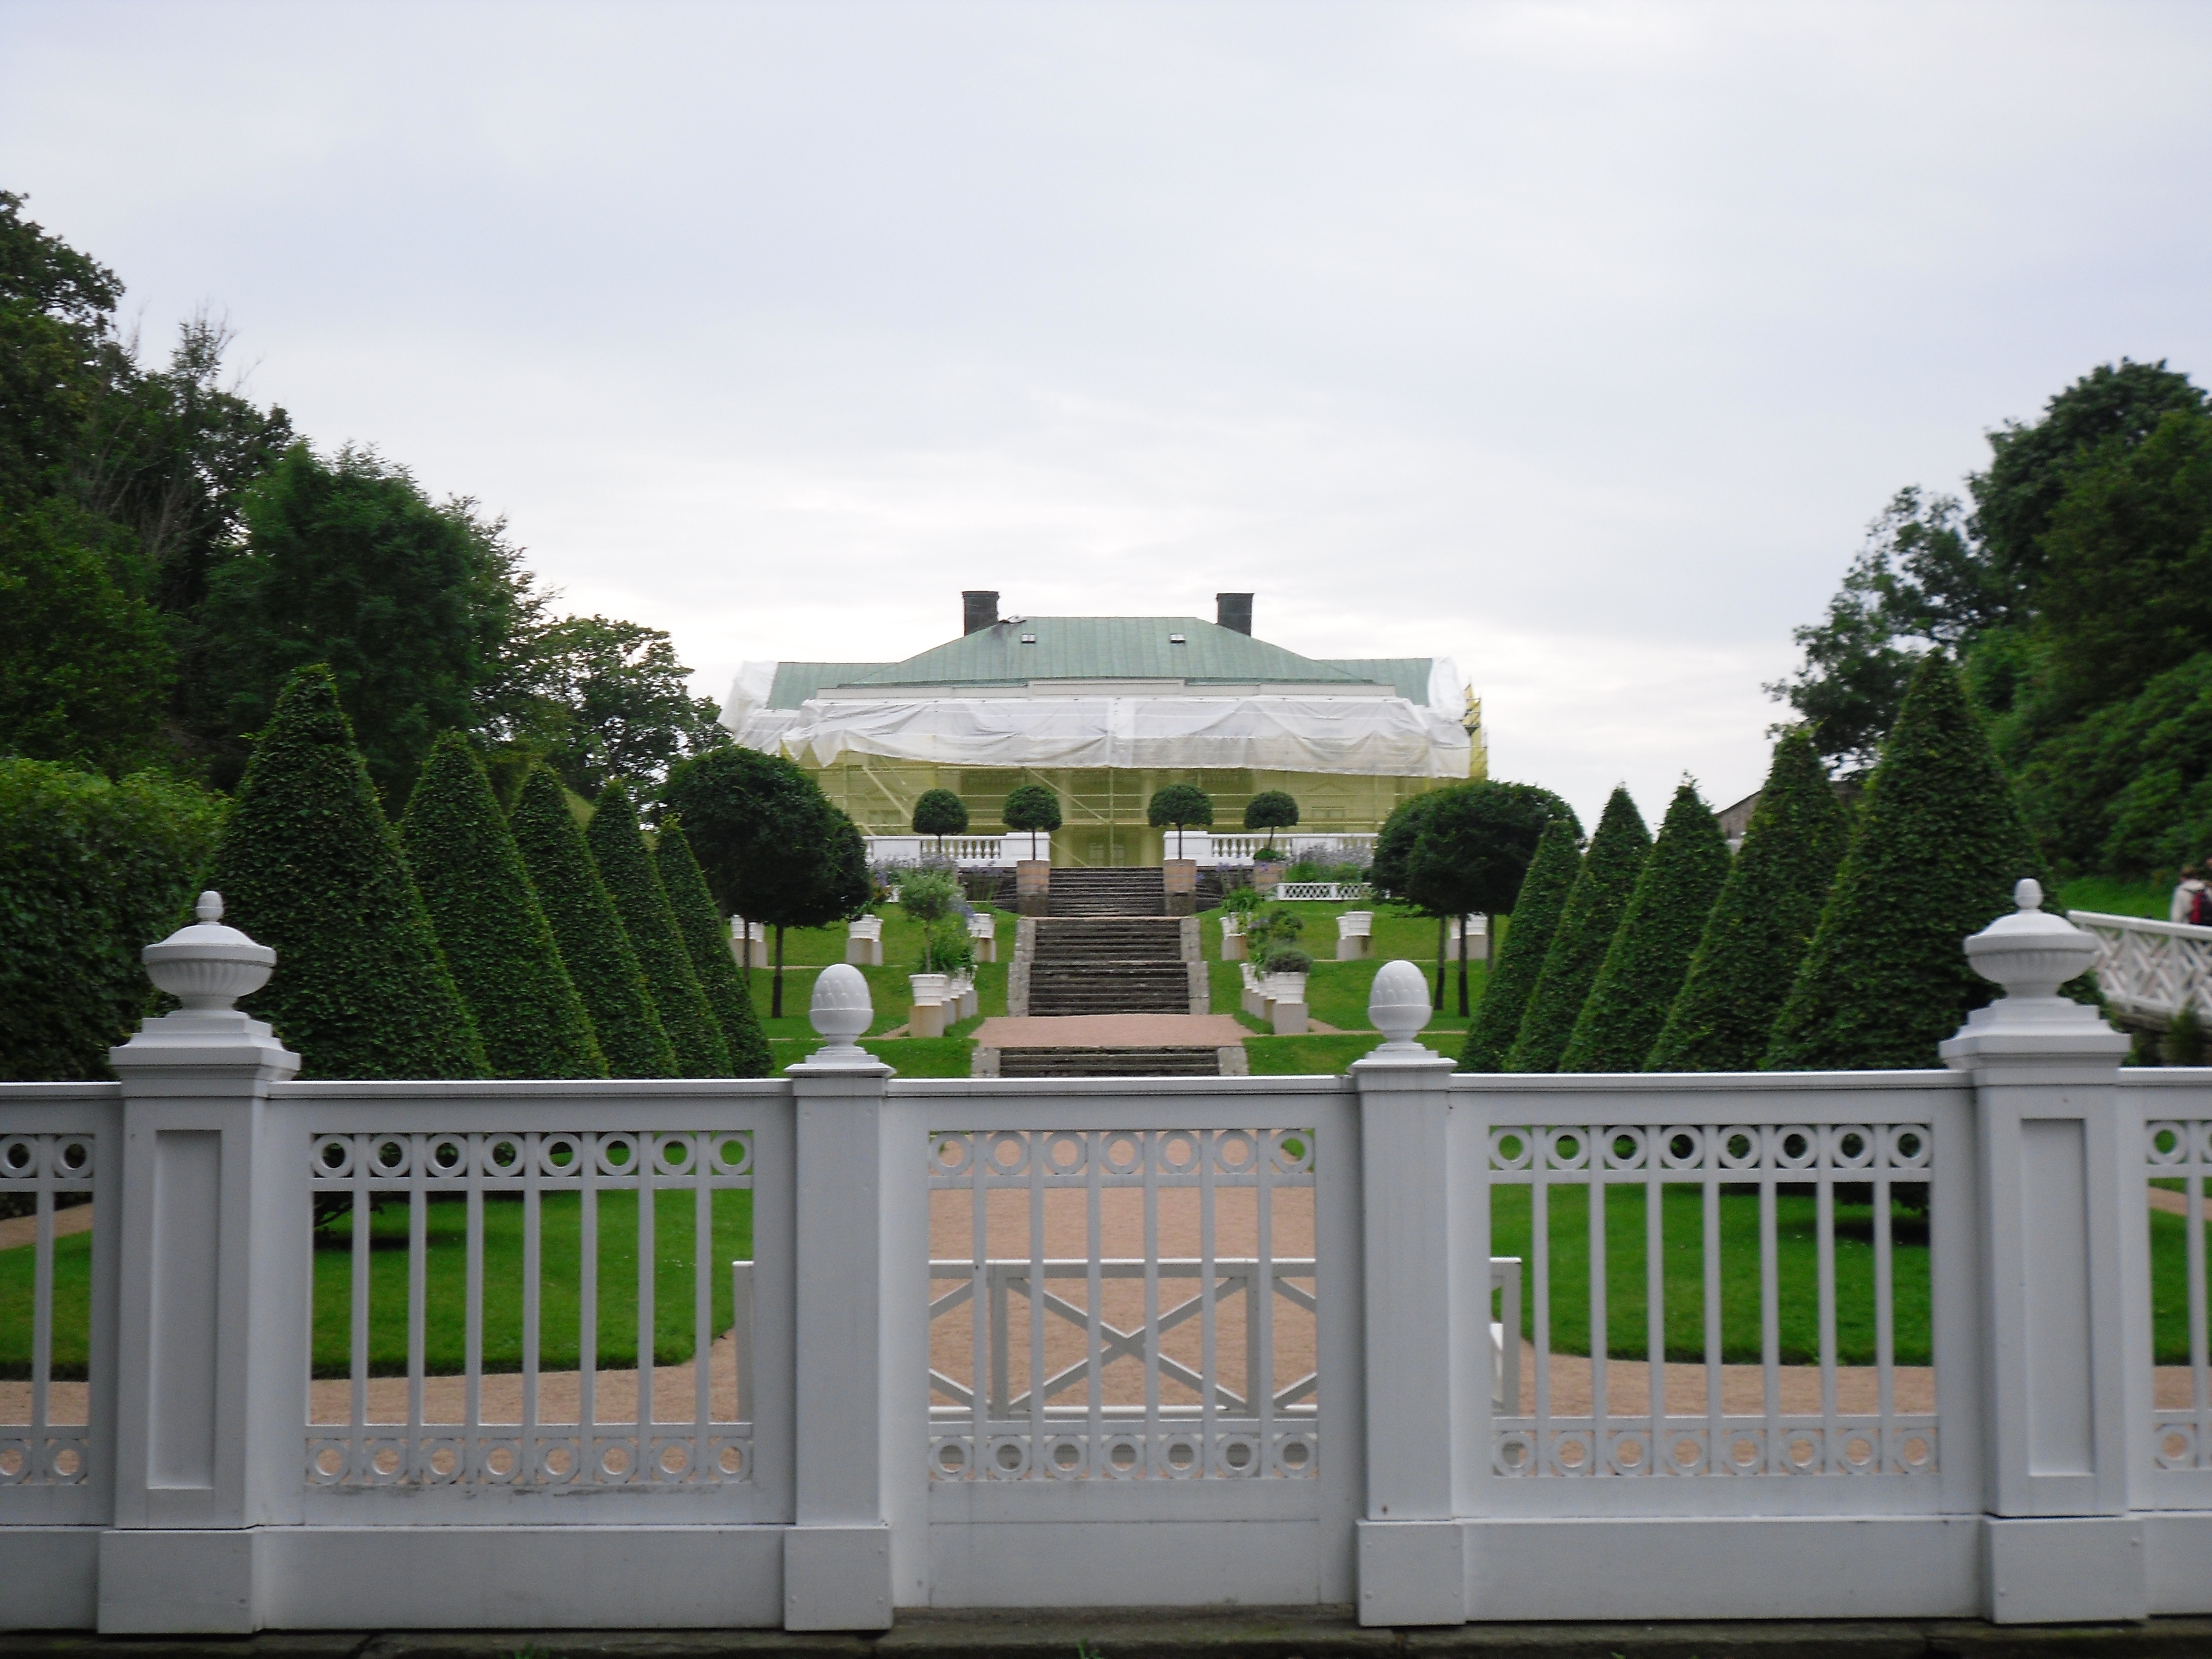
x=1520, y=960
x=617, y=847
x=1586, y=929
x=489, y=922
x=1939, y=842
x=1651, y=949
x=308, y=865
x=592, y=942
x=706, y=937
x=1724, y=1016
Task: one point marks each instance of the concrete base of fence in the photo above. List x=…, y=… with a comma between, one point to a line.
x=1229, y=1633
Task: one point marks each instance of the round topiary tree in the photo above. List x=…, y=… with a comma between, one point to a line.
x=1472, y=847
x=598, y=953
x=1594, y=910
x=940, y=812
x=496, y=940
x=707, y=940
x=1515, y=964
x=1755, y=939
x=1940, y=844
x=1032, y=809
x=1271, y=810
x=1651, y=949
x=308, y=865
x=1180, y=804
x=617, y=845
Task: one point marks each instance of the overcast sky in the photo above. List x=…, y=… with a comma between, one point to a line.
x=1578, y=342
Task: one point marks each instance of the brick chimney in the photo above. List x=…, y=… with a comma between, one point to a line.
x=1234, y=610
x=979, y=609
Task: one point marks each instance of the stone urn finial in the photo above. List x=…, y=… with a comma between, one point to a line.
x=2030, y=953
x=207, y=966
x=1399, y=1006
x=840, y=1012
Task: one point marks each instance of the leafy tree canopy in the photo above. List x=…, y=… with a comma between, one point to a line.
x=1473, y=844
x=1271, y=809
x=91, y=871
x=940, y=813
x=1179, y=804
x=760, y=827
x=1033, y=809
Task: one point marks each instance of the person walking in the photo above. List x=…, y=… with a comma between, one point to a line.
x=2192, y=899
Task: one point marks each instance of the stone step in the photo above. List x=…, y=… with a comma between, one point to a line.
x=1110, y=1062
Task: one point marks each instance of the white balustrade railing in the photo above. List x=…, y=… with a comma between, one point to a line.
x=1320, y=892
x=1235, y=851
x=805, y=1350
x=968, y=852
x=2151, y=970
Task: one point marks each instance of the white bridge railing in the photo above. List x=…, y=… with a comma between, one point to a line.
x=804, y=1351
x=2151, y=970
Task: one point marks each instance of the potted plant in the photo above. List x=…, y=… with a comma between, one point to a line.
x=1286, y=967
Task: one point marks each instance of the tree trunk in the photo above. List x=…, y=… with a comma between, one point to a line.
x=776, y=996
x=1462, y=967
x=1441, y=925
x=745, y=943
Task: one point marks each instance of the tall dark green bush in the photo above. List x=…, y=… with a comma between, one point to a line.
x=618, y=847
x=1517, y=963
x=1651, y=949
x=1754, y=941
x=90, y=873
x=1939, y=844
x=308, y=865
x=495, y=934
x=707, y=937
x=593, y=944
x=1594, y=910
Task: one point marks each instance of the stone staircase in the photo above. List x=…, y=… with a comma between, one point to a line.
x=1108, y=964
x=1127, y=892
x=1110, y=1062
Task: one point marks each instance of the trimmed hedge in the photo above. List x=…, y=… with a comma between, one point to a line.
x=1755, y=939
x=309, y=866
x=1940, y=844
x=706, y=937
x=91, y=871
x=594, y=945
x=1658, y=934
x=495, y=934
x=1520, y=960
x=617, y=846
x=1586, y=928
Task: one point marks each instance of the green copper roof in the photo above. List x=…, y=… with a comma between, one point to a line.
x=1104, y=649
x=795, y=682
x=1410, y=675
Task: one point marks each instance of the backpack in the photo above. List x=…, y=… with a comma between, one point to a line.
x=2200, y=907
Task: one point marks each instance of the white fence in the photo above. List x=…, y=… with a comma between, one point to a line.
x=804, y=1351
x=2151, y=970
x=968, y=852
x=1004, y=852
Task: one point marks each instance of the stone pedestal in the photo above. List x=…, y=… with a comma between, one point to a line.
x=1033, y=887
x=1180, y=878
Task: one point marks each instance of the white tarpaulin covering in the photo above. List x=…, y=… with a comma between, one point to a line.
x=1388, y=737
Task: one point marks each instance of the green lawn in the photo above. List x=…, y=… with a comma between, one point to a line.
x=806, y=950
x=1683, y=1234
x=561, y=1235
x=2113, y=896
x=1337, y=992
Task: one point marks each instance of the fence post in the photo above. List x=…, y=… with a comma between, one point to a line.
x=207, y=1382
x=1425, y=1229
x=837, y=1559
x=2051, y=1163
